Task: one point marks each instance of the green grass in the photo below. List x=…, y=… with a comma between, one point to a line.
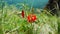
x=14, y=23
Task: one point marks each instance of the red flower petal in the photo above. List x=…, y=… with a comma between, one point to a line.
x=29, y=18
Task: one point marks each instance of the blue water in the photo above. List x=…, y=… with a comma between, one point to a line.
x=34, y=3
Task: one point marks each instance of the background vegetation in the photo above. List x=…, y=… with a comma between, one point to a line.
x=11, y=21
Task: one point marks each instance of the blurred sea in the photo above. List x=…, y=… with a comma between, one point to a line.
x=33, y=3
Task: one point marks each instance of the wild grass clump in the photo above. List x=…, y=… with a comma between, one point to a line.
x=13, y=23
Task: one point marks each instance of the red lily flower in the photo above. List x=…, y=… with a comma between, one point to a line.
x=31, y=18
